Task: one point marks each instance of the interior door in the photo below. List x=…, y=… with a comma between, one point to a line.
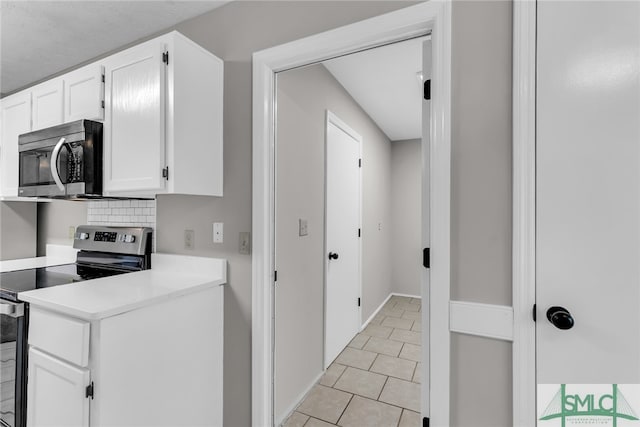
x=342, y=241
x=588, y=193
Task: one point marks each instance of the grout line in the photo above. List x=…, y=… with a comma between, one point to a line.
x=383, y=386
x=345, y=407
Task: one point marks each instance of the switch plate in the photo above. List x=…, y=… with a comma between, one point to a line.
x=189, y=239
x=245, y=243
x=303, y=229
x=218, y=232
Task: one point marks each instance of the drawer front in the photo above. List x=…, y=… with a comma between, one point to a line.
x=61, y=336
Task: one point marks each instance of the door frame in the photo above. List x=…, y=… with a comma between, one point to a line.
x=332, y=118
x=430, y=17
x=524, y=212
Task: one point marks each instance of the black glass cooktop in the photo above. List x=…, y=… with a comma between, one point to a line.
x=14, y=282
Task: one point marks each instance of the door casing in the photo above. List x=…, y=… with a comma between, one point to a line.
x=433, y=17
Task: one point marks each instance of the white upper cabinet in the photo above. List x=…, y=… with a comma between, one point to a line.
x=47, y=109
x=163, y=119
x=84, y=94
x=134, y=131
x=16, y=120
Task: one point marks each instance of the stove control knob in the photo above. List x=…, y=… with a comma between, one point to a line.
x=129, y=238
x=83, y=236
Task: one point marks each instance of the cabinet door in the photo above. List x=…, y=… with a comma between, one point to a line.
x=16, y=120
x=56, y=392
x=134, y=131
x=47, y=104
x=84, y=94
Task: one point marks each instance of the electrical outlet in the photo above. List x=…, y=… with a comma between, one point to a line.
x=302, y=227
x=189, y=239
x=218, y=232
x=245, y=243
x=72, y=232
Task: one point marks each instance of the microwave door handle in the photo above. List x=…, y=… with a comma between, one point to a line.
x=54, y=164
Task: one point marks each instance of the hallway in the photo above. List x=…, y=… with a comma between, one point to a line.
x=375, y=381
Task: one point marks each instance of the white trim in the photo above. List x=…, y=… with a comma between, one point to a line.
x=434, y=16
x=524, y=212
x=298, y=400
x=331, y=118
x=364, y=325
x=406, y=295
x=483, y=320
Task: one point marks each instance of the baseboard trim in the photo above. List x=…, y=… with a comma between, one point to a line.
x=298, y=400
x=364, y=325
x=483, y=320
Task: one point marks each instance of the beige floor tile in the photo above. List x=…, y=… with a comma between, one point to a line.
x=393, y=312
x=377, y=331
x=377, y=319
x=406, y=336
x=392, y=366
x=384, y=346
x=416, y=301
x=410, y=419
x=314, y=422
x=296, y=420
x=411, y=352
x=356, y=358
x=396, y=322
x=359, y=341
x=324, y=403
x=397, y=298
x=417, y=375
x=332, y=374
x=417, y=326
x=407, y=306
x=401, y=393
x=413, y=315
x=363, y=412
x=363, y=383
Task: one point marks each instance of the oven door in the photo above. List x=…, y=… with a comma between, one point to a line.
x=13, y=358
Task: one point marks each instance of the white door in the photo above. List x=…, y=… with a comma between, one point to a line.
x=16, y=120
x=84, y=94
x=588, y=195
x=342, y=241
x=134, y=131
x=47, y=104
x=56, y=392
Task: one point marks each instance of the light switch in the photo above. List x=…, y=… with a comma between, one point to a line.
x=218, y=234
x=302, y=227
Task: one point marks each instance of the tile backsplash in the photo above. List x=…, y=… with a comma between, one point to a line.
x=123, y=213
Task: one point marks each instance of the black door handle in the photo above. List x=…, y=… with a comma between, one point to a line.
x=560, y=317
x=333, y=255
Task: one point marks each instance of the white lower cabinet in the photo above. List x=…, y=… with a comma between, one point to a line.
x=158, y=365
x=57, y=392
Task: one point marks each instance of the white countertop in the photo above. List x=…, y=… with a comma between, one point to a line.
x=170, y=276
x=56, y=255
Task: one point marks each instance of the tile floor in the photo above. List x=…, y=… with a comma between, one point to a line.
x=375, y=381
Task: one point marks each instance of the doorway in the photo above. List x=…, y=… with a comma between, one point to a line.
x=401, y=25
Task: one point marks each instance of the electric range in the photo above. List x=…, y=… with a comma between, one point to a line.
x=103, y=252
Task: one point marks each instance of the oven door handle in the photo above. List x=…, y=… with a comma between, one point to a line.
x=54, y=164
x=12, y=309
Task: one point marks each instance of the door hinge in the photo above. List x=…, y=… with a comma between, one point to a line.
x=102, y=103
x=165, y=173
x=426, y=258
x=359, y=232
x=103, y=78
x=165, y=57
x=89, y=391
x=275, y=276
x=358, y=302
x=534, y=312
x=427, y=89
x=359, y=163
x=425, y=422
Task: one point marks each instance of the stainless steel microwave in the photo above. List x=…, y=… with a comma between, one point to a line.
x=63, y=161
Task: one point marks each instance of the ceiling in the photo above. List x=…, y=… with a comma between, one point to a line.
x=384, y=82
x=42, y=38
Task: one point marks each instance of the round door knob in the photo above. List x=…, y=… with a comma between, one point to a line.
x=560, y=317
x=333, y=255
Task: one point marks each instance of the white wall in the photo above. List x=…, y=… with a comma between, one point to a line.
x=304, y=95
x=406, y=222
